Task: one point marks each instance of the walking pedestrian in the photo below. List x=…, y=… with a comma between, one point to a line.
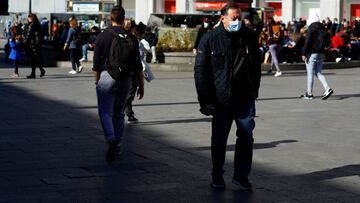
x=227, y=79
x=73, y=41
x=317, y=40
x=33, y=41
x=275, y=38
x=114, y=82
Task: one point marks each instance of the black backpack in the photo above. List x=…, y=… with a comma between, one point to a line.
x=120, y=60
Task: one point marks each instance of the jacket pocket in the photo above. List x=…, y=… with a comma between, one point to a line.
x=218, y=59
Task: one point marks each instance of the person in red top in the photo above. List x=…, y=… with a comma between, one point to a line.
x=337, y=41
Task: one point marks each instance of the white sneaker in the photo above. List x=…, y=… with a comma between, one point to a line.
x=327, y=93
x=82, y=60
x=278, y=73
x=72, y=72
x=337, y=60
x=80, y=69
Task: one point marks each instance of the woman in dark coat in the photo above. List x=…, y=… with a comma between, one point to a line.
x=33, y=44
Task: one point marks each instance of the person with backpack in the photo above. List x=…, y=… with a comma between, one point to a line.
x=116, y=60
x=317, y=40
x=73, y=41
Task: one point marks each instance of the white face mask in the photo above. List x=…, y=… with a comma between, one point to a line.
x=206, y=25
x=234, y=26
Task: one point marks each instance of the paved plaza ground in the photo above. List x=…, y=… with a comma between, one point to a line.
x=52, y=147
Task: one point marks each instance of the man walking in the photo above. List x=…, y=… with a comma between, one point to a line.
x=317, y=40
x=227, y=78
x=112, y=89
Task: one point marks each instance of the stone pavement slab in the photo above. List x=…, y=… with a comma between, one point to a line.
x=52, y=147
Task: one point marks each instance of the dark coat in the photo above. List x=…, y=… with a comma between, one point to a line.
x=317, y=39
x=33, y=39
x=214, y=78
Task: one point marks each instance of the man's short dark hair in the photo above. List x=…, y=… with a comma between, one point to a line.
x=117, y=14
x=228, y=6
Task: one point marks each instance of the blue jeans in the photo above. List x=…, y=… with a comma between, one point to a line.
x=221, y=126
x=74, y=59
x=314, y=65
x=85, y=48
x=111, y=97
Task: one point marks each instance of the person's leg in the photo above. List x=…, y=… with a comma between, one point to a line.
x=310, y=67
x=221, y=125
x=121, y=92
x=16, y=66
x=105, y=99
x=130, y=98
x=318, y=69
x=76, y=58
x=85, y=48
x=244, y=141
x=40, y=63
x=153, y=53
x=72, y=53
x=273, y=52
x=33, y=64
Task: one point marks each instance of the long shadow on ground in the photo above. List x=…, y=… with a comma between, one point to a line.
x=53, y=152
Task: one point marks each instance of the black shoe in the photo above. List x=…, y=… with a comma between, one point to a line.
x=218, y=182
x=30, y=76
x=307, y=96
x=242, y=183
x=118, y=149
x=132, y=119
x=110, y=154
x=327, y=94
x=42, y=73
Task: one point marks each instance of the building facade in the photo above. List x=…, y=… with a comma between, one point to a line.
x=290, y=9
x=140, y=10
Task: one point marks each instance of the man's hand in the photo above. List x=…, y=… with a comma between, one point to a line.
x=140, y=90
x=65, y=46
x=305, y=59
x=208, y=110
x=97, y=77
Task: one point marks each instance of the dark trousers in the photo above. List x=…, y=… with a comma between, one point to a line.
x=74, y=58
x=16, y=67
x=131, y=96
x=36, y=61
x=221, y=125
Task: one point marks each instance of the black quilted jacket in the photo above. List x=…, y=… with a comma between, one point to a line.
x=33, y=38
x=214, y=71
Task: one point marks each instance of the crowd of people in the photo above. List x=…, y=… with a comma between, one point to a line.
x=284, y=43
x=70, y=39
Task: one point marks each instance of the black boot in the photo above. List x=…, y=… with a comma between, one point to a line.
x=31, y=76
x=42, y=72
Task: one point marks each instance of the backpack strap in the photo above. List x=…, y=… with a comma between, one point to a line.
x=117, y=34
